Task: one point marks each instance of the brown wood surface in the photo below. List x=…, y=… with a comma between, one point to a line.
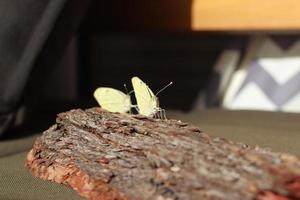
x=244, y=15
x=105, y=155
x=139, y=15
x=194, y=15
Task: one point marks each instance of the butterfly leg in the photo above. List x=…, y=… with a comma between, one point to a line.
x=153, y=116
x=164, y=112
x=135, y=107
x=161, y=114
x=158, y=114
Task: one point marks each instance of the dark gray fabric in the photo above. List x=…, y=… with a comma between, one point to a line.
x=25, y=26
x=5, y=121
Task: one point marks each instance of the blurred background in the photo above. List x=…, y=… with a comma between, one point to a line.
x=235, y=66
x=221, y=55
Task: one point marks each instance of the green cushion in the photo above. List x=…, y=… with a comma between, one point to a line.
x=17, y=183
x=275, y=130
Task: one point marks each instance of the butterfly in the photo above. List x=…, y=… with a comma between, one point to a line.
x=113, y=100
x=147, y=102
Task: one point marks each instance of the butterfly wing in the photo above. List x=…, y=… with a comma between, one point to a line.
x=112, y=100
x=146, y=100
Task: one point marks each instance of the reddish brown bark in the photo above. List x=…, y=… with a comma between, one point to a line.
x=105, y=155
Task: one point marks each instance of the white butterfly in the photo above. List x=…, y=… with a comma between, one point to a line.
x=147, y=102
x=113, y=100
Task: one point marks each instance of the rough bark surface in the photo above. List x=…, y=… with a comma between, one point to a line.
x=108, y=156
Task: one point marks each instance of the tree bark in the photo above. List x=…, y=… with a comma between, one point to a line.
x=108, y=156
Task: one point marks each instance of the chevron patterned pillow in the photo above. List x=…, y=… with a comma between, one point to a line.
x=269, y=79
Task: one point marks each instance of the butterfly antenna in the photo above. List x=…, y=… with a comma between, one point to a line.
x=128, y=93
x=164, y=88
x=125, y=88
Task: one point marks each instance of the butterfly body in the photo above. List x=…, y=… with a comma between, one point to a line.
x=113, y=100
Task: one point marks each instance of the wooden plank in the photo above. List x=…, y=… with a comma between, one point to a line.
x=139, y=15
x=245, y=15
